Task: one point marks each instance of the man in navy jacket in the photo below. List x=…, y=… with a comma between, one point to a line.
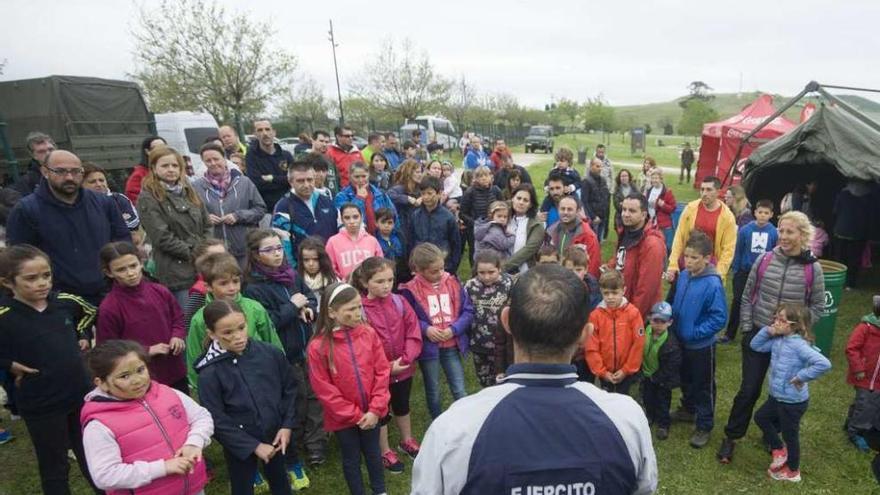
x=540, y=429
x=267, y=163
x=70, y=224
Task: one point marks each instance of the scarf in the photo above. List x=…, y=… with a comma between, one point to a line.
x=283, y=274
x=651, y=354
x=220, y=183
x=176, y=189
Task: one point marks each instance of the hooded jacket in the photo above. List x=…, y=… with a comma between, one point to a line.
x=380, y=200
x=358, y=384
x=260, y=163
x=582, y=235
x=346, y=253
x=296, y=220
x=293, y=333
x=448, y=295
x=863, y=354
x=397, y=326
x=618, y=340
x=71, y=234
x=250, y=395
x=343, y=160
x=725, y=237
x=642, y=264
x=148, y=314
x=490, y=236
x=260, y=328
x=128, y=441
x=790, y=357
x=783, y=281
x=699, y=309
x=242, y=200
x=175, y=227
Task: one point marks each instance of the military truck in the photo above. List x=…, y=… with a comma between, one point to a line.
x=101, y=120
x=539, y=137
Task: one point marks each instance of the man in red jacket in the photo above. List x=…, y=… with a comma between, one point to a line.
x=641, y=253
x=343, y=153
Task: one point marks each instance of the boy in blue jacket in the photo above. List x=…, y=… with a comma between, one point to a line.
x=699, y=311
x=753, y=239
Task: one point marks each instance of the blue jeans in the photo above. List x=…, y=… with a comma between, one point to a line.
x=450, y=360
x=669, y=236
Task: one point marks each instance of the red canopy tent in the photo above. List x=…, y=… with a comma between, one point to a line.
x=721, y=139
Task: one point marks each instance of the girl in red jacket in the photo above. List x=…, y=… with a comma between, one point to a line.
x=349, y=374
x=141, y=436
x=394, y=320
x=145, y=312
x=863, y=354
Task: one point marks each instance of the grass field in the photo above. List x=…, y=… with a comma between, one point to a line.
x=830, y=465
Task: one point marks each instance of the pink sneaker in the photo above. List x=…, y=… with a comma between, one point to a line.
x=785, y=474
x=392, y=463
x=409, y=447
x=780, y=456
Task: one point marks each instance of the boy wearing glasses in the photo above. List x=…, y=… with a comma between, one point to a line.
x=661, y=366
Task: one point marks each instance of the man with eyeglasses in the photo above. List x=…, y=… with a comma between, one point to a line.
x=70, y=223
x=39, y=146
x=343, y=153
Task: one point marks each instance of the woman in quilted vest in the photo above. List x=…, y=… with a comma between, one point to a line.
x=141, y=436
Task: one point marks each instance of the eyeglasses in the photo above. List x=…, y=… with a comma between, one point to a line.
x=270, y=250
x=61, y=172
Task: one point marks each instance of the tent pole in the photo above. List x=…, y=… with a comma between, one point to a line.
x=842, y=104
x=810, y=87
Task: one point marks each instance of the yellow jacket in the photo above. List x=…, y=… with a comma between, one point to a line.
x=725, y=237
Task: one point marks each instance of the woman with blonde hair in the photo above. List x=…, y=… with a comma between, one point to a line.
x=735, y=199
x=644, y=179
x=788, y=273
x=175, y=219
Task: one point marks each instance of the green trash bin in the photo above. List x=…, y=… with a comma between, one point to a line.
x=835, y=277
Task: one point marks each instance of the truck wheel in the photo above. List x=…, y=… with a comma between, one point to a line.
x=551, y=149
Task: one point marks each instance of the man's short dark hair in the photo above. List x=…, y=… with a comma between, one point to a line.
x=600, y=146
x=555, y=178
x=643, y=201
x=338, y=130
x=308, y=161
x=714, y=180
x=390, y=135
x=699, y=242
x=320, y=132
x=408, y=145
x=417, y=132
x=430, y=183
x=374, y=137
x=547, y=310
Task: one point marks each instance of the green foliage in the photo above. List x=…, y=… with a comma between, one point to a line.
x=402, y=80
x=192, y=55
x=598, y=115
x=570, y=109
x=696, y=113
x=307, y=103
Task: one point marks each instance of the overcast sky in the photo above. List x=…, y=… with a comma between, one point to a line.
x=536, y=50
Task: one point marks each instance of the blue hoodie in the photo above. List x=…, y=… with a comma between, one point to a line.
x=699, y=309
x=752, y=241
x=71, y=234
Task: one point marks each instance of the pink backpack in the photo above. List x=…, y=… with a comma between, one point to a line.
x=764, y=262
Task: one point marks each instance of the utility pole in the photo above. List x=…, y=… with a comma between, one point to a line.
x=336, y=69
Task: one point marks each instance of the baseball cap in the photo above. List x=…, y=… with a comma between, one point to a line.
x=661, y=311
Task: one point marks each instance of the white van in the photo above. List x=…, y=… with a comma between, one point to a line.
x=186, y=132
x=431, y=125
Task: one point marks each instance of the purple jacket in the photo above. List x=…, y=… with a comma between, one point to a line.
x=493, y=237
x=148, y=314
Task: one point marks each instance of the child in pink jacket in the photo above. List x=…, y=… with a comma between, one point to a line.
x=350, y=247
x=397, y=326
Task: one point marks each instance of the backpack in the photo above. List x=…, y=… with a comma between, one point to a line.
x=762, y=268
x=398, y=303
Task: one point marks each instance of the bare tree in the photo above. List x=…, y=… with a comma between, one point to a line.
x=402, y=80
x=463, y=97
x=307, y=102
x=192, y=55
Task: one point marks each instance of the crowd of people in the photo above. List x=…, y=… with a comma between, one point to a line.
x=280, y=297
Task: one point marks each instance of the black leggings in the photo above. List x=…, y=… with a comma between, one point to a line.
x=776, y=417
x=51, y=436
x=400, y=392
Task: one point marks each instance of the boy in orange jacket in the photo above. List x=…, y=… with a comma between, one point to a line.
x=614, y=351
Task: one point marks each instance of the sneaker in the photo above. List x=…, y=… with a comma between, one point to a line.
x=409, y=447
x=857, y=440
x=662, y=433
x=780, y=456
x=260, y=485
x=785, y=474
x=392, y=463
x=699, y=439
x=14, y=417
x=683, y=415
x=5, y=436
x=316, y=459
x=298, y=478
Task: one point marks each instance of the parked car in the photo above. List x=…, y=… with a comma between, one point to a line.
x=186, y=132
x=539, y=137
